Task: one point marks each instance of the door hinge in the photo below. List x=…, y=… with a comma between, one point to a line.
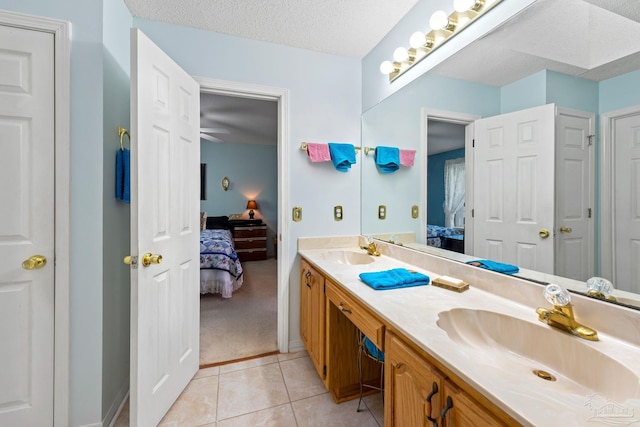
x=588, y=212
x=590, y=139
x=473, y=213
x=473, y=143
x=324, y=371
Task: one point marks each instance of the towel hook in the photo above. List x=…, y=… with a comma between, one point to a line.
x=122, y=132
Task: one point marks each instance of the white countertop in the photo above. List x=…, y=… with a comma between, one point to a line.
x=505, y=379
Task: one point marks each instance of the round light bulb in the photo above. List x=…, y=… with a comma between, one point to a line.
x=417, y=40
x=438, y=20
x=400, y=54
x=463, y=5
x=387, y=67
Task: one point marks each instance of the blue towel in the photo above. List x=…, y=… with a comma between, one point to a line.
x=123, y=168
x=495, y=266
x=374, y=351
x=342, y=155
x=394, y=278
x=387, y=159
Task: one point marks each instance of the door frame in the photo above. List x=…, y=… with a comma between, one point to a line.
x=468, y=121
x=607, y=207
x=281, y=96
x=61, y=31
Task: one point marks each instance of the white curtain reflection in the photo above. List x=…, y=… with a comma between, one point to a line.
x=454, y=193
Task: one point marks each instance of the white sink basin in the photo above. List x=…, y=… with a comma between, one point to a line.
x=514, y=343
x=348, y=257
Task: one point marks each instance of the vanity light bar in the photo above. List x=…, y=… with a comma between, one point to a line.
x=443, y=28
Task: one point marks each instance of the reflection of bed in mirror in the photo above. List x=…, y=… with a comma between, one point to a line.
x=445, y=237
x=220, y=269
x=496, y=75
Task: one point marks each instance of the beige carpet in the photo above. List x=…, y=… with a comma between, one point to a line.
x=244, y=325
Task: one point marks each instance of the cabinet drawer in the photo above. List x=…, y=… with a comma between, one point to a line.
x=254, y=231
x=252, y=254
x=371, y=326
x=250, y=243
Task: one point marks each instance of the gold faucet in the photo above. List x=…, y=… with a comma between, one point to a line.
x=561, y=316
x=371, y=249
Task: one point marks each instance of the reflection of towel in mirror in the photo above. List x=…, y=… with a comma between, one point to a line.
x=318, y=152
x=407, y=157
x=123, y=191
x=387, y=159
x=394, y=278
x=342, y=155
x=495, y=266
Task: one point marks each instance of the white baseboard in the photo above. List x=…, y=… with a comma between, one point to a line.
x=116, y=407
x=296, y=345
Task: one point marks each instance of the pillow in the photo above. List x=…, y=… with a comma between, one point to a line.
x=217, y=222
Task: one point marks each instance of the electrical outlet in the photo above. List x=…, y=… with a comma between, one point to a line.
x=382, y=212
x=337, y=213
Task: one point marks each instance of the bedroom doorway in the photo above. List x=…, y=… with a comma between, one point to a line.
x=241, y=139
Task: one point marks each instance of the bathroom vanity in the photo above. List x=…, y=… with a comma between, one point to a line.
x=476, y=358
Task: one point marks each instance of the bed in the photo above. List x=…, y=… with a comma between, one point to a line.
x=445, y=237
x=220, y=268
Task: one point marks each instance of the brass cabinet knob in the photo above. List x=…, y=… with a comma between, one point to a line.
x=565, y=229
x=543, y=233
x=34, y=262
x=148, y=259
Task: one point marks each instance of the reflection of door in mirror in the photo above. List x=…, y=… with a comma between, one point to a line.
x=534, y=201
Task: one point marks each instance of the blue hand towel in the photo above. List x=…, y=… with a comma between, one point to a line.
x=123, y=160
x=374, y=351
x=387, y=159
x=393, y=279
x=342, y=155
x=495, y=266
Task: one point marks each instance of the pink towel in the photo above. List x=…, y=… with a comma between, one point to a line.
x=318, y=152
x=407, y=157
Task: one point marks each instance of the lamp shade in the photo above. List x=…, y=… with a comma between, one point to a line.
x=252, y=204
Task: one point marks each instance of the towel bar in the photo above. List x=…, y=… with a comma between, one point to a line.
x=303, y=147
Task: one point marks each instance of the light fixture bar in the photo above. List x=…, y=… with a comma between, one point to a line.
x=445, y=28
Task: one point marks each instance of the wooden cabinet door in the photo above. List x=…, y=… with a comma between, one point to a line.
x=463, y=411
x=312, y=315
x=413, y=387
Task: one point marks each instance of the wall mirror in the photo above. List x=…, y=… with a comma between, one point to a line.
x=580, y=57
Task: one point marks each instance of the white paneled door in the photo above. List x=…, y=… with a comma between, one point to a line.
x=574, y=194
x=165, y=205
x=513, y=202
x=26, y=227
x=626, y=175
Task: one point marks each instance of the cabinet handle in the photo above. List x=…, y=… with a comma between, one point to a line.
x=443, y=414
x=344, y=309
x=434, y=391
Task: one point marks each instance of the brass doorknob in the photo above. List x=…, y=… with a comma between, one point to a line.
x=565, y=229
x=148, y=259
x=127, y=260
x=34, y=262
x=543, y=233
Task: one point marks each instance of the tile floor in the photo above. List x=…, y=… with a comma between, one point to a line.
x=283, y=390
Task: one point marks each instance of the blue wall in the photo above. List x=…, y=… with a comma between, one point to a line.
x=435, y=185
x=252, y=170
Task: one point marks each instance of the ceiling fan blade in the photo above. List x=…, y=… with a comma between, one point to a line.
x=210, y=138
x=214, y=130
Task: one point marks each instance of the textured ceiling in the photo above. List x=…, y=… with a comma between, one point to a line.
x=592, y=39
x=341, y=27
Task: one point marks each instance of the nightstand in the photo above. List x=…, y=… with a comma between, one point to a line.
x=250, y=241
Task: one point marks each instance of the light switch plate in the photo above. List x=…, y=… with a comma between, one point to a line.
x=296, y=214
x=382, y=212
x=415, y=212
x=337, y=213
